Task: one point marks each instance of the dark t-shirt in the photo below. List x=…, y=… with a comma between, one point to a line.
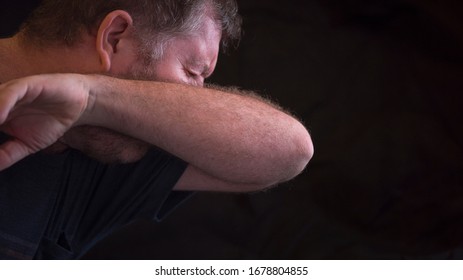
x=58, y=206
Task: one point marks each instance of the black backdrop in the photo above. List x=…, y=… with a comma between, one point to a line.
x=378, y=84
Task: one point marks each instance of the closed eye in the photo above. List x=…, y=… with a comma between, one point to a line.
x=191, y=73
x=196, y=77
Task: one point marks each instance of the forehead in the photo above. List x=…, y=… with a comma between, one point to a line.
x=204, y=41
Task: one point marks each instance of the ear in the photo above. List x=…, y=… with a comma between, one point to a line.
x=114, y=28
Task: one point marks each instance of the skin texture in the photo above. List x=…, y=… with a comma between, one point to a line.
x=187, y=60
x=232, y=142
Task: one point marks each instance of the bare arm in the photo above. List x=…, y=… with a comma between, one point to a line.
x=228, y=137
x=232, y=137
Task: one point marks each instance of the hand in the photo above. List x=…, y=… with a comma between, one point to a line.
x=36, y=111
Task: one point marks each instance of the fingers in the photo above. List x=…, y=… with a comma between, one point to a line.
x=10, y=94
x=11, y=152
x=14, y=149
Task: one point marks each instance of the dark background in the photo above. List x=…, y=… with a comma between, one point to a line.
x=378, y=84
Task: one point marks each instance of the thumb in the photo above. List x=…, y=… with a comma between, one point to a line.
x=13, y=151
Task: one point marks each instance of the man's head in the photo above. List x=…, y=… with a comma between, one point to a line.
x=153, y=24
x=168, y=40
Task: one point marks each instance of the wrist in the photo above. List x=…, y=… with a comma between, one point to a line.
x=89, y=87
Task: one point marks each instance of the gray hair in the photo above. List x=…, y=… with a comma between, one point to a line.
x=155, y=21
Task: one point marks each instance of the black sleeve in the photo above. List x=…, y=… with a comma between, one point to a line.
x=96, y=199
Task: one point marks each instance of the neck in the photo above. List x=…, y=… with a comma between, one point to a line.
x=15, y=61
x=19, y=59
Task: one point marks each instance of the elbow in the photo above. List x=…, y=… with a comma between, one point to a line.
x=292, y=158
x=300, y=152
x=306, y=149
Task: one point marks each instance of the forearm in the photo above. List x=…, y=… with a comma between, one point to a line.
x=231, y=137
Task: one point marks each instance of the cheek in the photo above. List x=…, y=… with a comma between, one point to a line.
x=169, y=72
x=165, y=70
x=122, y=64
x=154, y=72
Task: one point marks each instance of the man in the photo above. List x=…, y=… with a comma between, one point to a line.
x=111, y=150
